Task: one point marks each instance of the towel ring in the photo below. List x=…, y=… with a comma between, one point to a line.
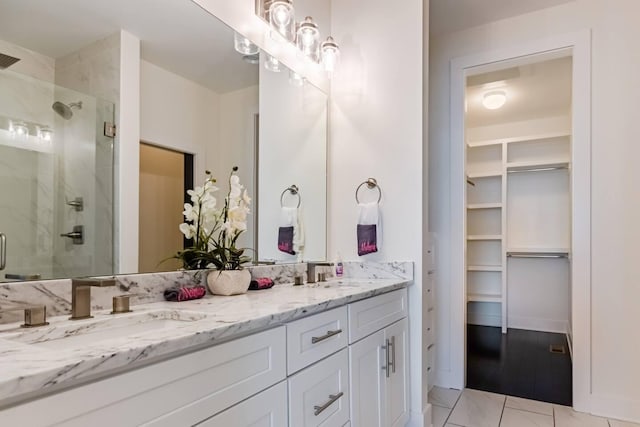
x=294, y=191
x=371, y=183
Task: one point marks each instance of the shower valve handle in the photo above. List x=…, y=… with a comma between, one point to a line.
x=77, y=235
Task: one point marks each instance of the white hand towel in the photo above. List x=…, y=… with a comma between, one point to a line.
x=291, y=231
x=369, y=232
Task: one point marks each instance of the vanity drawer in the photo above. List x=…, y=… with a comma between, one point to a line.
x=319, y=395
x=373, y=314
x=265, y=409
x=315, y=337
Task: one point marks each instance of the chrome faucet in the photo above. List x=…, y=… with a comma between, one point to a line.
x=311, y=269
x=81, y=296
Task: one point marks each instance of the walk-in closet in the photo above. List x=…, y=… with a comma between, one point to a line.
x=518, y=229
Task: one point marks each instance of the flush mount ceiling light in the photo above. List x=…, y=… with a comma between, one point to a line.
x=494, y=99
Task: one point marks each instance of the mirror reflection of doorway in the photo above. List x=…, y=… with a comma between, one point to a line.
x=165, y=175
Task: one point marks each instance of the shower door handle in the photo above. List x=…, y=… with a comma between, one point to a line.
x=3, y=251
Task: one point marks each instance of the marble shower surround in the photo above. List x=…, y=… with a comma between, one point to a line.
x=148, y=287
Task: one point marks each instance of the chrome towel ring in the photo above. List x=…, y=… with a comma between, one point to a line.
x=371, y=183
x=294, y=191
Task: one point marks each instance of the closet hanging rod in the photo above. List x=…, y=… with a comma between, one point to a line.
x=536, y=255
x=542, y=169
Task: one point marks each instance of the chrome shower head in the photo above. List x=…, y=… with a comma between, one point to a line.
x=64, y=110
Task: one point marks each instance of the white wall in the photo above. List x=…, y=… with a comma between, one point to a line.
x=236, y=147
x=376, y=130
x=178, y=114
x=615, y=230
x=293, y=150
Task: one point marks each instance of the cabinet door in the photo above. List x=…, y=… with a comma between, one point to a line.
x=366, y=360
x=397, y=384
x=266, y=409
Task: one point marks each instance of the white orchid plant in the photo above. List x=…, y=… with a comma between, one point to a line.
x=214, y=230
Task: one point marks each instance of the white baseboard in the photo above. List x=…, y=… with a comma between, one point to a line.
x=617, y=407
x=484, y=319
x=421, y=419
x=537, y=324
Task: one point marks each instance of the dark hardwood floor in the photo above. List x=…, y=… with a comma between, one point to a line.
x=519, y=363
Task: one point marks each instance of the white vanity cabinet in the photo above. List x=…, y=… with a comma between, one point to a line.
x=182, y=391
x=379, y=363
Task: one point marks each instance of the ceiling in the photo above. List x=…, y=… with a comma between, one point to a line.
x=533, y=91
x=176, y=35
x=446, y=16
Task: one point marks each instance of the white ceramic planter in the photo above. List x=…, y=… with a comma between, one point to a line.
x=228, y=282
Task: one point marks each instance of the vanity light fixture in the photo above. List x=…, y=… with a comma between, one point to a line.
x=494, y=99
x=282, y=18
x=19, y=129
x=45, y=134
x=272, y=64
x=308, y=38
x=243, y=45
x=330, y=54
x=251, y=59
x=296, y=79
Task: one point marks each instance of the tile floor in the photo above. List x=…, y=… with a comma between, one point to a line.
x=475, y=408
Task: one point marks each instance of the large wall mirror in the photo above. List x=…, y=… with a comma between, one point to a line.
x=203, y=106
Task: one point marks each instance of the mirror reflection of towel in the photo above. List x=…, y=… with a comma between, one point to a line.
x=291, y=231
x=368, y=228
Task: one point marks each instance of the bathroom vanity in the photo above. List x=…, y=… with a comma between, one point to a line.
x=331, y=353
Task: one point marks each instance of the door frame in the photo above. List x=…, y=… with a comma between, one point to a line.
x=578, y=45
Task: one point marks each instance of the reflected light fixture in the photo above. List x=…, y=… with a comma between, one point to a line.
x=19, y=129
x=308, y=39
x=243, y=45
x=272, y=64
x=282, y=18
x=45, y=134
x=494, y=99
x=295, y=79
x=330, y=54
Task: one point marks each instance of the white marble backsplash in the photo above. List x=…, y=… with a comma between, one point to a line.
x=149, y=287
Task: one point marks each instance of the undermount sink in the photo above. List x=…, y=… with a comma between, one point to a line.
x=73, y=334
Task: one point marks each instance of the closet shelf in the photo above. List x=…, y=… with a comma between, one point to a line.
x=484, y=206
x=527, y=138
x=484, y=298
x=537, y=165
x=485, y=237
x=526, y=250
x=484, y=268
x=484, y=174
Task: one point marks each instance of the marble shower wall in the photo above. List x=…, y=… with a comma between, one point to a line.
x=147, y=288
x=88, y=166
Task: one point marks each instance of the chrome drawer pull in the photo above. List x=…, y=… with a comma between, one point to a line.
x=3, y=251
x=387, y=358
x=317, y=410
x=329, y=334
x=393, y=354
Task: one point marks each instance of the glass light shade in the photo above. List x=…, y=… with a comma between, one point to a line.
x=330, y=55
x=45, y=134
x=272, y=64
x=295, y=79
x=19, y=129
x=243, y=45
x=308, y=39
x=282, y=18
x=494, y=99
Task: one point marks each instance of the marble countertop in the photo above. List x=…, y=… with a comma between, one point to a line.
x=30, y=365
